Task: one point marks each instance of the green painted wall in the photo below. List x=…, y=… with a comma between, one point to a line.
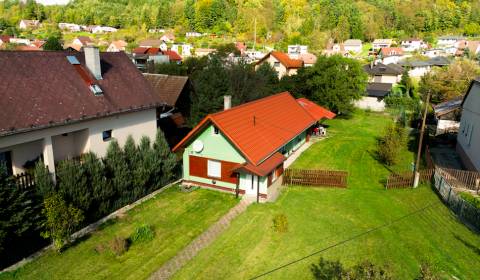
x=215, y=146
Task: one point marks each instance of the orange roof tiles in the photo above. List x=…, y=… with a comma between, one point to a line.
x=265, y=167
x=284, y=59
x=259, y=128
x=316, y=111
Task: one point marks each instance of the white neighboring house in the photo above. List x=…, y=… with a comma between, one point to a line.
x=294, y=51
x=468, y=138
x=168, y=38
x=193, y=34
x=381, y=73
x=381, y=43
x=20, y=41
x=183, y=49
x=374, y=98
x=353, y=45
x=413, y=44
x=281, y=62
x=28, y=24
x=103, y=29
x=434, y=52
x=70, y=105
x=449, y=41
x=418, y=68
x=117, y=46
x=72, y=27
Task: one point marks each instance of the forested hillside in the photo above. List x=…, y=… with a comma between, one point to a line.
x=292, y=21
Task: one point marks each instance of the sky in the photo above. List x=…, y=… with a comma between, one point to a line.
x=53, y=2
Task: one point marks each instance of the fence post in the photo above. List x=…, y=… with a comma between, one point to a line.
x=477, y=184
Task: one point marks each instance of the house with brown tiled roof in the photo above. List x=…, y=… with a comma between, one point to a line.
x=174, y=93
x=79, y=43
x=281, y=62
x=117, y=46
x=242, y=149
x=72, y=103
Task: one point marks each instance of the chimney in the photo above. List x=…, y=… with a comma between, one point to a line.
x=227, y=102
x=92, y=60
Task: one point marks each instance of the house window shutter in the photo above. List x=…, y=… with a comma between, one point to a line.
x=214, y=169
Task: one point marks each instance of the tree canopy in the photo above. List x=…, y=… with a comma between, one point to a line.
x=277, y=21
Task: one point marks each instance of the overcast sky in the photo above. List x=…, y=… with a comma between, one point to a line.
x=53, y=2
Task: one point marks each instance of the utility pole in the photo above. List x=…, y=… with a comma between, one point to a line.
x=420, y=143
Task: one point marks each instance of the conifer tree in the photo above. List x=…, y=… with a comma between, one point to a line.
x=118, y=174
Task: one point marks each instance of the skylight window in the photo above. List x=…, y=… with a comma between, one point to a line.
x=73, y=60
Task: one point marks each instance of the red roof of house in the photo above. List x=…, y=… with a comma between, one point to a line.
x=316, y=111
x=284, y=59
x=258, y=129
x=265, y=167
x=173, y=55
x=27, y=48
x=5, y=38
x=391, y=51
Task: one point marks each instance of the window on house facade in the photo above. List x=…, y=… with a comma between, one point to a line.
x=107, y=135
x=6, y=159
x=214, y=169
x=276, y=64
x=215, y=130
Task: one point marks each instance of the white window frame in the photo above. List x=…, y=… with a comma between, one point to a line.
x=214, y=168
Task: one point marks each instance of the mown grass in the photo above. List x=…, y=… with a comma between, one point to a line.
x=176, y=218
x=322, y=217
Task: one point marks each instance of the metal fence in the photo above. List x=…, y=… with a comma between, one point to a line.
x=463, y=209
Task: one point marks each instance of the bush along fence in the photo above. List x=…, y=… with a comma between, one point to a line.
x=94, y=186
x=304, y=177
x=463, y=209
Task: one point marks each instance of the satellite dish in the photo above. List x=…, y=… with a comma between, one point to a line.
x=197, y=146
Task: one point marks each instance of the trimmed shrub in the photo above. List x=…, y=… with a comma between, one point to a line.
x=62, y=220
x=280, y=223
x=142, y=233
x=390, y=144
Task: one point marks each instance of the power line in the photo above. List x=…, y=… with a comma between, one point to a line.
x=347, y=240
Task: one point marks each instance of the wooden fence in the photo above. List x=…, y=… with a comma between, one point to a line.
x=328, y=178
x=405, y=179
x=24, y=180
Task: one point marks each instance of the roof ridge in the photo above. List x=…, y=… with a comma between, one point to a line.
x=250, y=103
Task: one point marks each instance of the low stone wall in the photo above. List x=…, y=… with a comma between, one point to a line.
x=92, y=227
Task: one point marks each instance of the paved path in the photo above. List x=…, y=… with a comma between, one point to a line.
x=202, y=241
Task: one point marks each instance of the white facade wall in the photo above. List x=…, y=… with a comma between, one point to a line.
x=468, y=137
x=86, y=136
x=370, y=103
x=386, y=79
x=355, y=49
x=418, y=72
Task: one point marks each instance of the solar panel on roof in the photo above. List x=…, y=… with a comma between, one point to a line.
x=72, y=59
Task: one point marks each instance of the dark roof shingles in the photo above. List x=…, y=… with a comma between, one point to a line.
x=42, y=89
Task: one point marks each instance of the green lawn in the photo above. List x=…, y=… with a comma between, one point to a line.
x=321, y=217
x=177, y=219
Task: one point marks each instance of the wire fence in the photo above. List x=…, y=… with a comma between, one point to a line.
x=463, y=209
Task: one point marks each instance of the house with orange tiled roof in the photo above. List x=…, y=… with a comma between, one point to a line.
x=242, y=149
x=281, y=62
